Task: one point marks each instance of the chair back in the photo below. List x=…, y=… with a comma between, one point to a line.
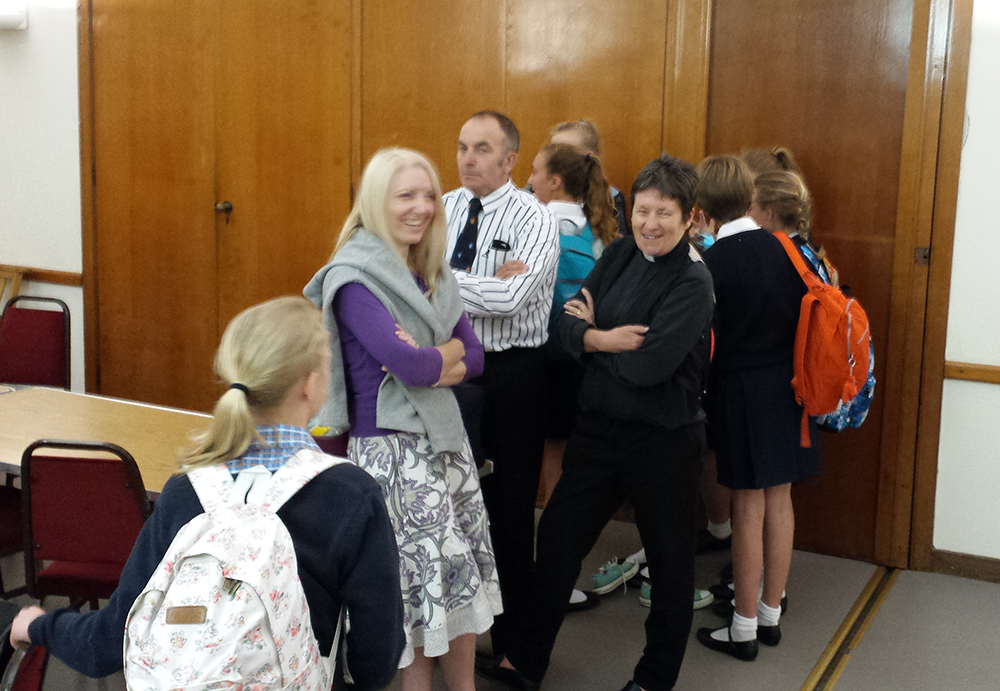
x=10, y=283
x=21, y=668
x=11, y=530
x=79, y=509
x=34, y=343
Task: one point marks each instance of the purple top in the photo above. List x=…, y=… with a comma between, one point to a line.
x=368, y=342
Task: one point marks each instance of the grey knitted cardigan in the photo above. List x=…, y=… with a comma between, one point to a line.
x=367, y=260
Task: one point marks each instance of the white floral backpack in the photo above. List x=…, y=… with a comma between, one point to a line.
x=225, y=607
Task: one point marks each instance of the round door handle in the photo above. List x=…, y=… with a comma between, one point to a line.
x=223, y=208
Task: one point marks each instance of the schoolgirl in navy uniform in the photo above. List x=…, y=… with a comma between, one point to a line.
x=755, y=420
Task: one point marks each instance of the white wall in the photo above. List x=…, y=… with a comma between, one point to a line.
x=40, y=154
x=967, y=512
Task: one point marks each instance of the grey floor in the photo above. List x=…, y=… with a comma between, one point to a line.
x=933, y=632
x=597, y=650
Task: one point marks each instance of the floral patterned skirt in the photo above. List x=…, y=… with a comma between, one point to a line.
x=447, y=569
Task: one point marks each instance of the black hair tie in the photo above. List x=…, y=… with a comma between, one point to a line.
x=240, y=387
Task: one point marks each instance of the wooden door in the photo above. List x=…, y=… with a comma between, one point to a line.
x=197, y=103
x=425, y=71
x=283, y=111
x=154, y=181
x=588, y=59
x=828, y=81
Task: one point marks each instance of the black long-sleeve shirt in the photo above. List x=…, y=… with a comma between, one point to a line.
x=346, y=553
x=662, y=381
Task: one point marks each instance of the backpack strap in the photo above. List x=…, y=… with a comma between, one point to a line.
x=809, y=278
x=793, y=253
x=294, y=475
x=213, y=484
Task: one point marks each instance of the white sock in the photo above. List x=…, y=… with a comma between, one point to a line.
x=576, y=597
x=768, y=616
x=644, y=572
x=639, y=556
x=741, y=630
x=720, y=531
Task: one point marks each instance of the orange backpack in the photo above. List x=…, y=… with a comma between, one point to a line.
x=832, y=343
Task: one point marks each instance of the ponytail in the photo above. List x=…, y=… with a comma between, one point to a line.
x=770, y=160
x=598, y=206
x=265, y=351
x=583, y=180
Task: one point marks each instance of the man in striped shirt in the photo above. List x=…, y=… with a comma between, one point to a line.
x=503, y=246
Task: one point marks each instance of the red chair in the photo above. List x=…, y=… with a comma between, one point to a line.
x=81, y=514
x=34, y=343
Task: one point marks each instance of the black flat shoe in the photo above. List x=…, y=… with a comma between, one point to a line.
x=744, y=650
x=593, y=599
x=706, y=542
x=510, y=678
x=769, y=635
x=724, y=607
x=721, y=591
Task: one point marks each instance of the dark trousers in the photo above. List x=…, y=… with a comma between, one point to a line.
x=513, y=438
x=607, y=461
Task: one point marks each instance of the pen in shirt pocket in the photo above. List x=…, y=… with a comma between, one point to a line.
x=500, y=245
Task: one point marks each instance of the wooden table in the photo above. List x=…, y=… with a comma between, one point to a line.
x=152, y=434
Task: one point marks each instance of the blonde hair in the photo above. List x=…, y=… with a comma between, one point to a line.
x=371, y=212
x=725, y=188
x=784, y=193
x=770, y=160
x=586, y=129
x=268, y=349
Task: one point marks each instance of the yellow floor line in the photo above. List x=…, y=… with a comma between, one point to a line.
x=831, y=663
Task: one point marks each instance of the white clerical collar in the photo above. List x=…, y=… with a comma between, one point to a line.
x=740, y=225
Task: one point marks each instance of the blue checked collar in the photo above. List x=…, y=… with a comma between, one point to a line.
x=281, y=442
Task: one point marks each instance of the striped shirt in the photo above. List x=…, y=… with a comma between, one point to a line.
x=514, y=312
x=281, y=442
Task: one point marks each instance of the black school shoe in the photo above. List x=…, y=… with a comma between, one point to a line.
x=511, y=678
x=591, y=601
x=706, y=542
x=744, y=650
x=769, y=635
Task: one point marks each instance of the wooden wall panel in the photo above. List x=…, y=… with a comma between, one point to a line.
x=284, y=138
x=155, y=172
x=685, y=78
x=425, y=70
x=827, y=80
x=588, y=59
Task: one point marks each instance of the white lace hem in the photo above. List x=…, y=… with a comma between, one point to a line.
x=475, y=617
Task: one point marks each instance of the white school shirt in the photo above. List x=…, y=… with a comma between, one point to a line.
x=514, y=312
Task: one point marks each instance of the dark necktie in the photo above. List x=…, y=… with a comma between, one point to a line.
x=465, y=246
